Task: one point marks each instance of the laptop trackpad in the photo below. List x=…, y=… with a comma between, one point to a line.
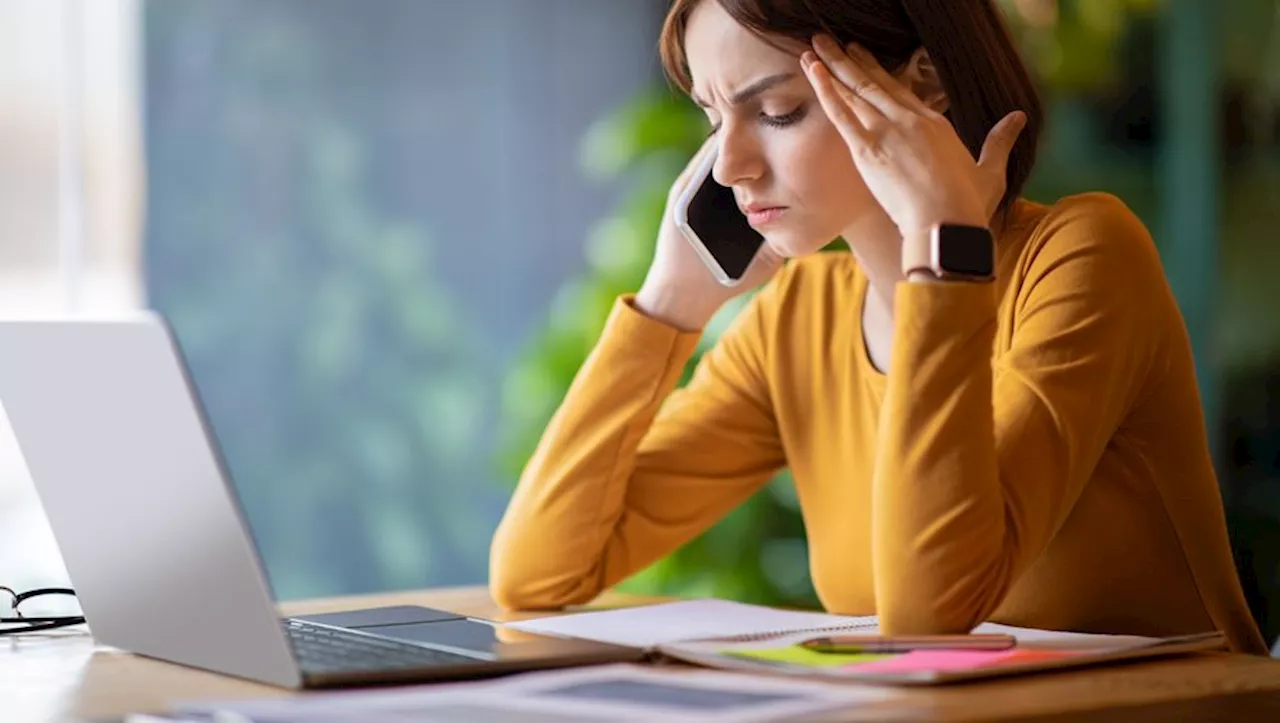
x=465, y=634
x=373, y=617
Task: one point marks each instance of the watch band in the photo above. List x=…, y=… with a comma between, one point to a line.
x=917, y=254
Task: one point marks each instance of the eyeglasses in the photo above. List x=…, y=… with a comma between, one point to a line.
x=24, y=624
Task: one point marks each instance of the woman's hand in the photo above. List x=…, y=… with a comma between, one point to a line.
x=910, y=157
x=679, y=289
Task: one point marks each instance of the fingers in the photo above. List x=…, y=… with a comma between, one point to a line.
x=691, y=167
x=849, y=112
x=899, y=92
x=859, y=71
x=1000, y=142
x=993, y=161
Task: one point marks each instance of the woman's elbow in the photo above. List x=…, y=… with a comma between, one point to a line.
x=508, y=596
x=514, y=584
x=913, y=618
x=937, y=605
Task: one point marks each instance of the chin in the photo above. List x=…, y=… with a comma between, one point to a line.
x=792, y=245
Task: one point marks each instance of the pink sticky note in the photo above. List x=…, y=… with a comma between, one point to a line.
x=924, y=660
x=1031, y=657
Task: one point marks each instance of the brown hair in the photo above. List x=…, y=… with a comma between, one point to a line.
x=975, y=57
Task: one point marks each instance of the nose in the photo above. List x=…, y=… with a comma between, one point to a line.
x=739, y=159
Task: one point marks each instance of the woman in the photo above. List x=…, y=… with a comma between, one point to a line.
x=1027, y=449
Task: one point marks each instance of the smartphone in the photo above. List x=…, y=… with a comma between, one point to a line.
x=710, y=219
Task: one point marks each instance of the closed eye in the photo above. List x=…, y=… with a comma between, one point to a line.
x=773, y=121
x=782, y=121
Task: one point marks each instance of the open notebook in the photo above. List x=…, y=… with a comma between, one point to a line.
x=649, y=626
x=737, y=636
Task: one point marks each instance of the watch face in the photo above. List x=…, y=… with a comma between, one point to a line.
x=966, y=250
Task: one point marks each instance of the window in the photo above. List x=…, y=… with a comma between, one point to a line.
x=71, y=199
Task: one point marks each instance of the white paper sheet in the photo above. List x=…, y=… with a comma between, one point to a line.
x=651, y=625
x=613, y=692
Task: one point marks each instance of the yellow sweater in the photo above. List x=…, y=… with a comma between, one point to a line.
x=1036, y=454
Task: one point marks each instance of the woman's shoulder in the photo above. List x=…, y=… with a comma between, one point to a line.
x=1082, y=220
x=809, y=294
x=1086, y=203
x=1095, y=228
x=815, y=281
x=1089, y=257
x=825, y=269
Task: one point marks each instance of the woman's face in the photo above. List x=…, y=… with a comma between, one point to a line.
x=777, y=148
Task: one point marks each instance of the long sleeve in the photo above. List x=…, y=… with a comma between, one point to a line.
x=980, y=459
x=628, y=469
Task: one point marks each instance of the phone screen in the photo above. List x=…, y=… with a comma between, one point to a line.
x=714, y=216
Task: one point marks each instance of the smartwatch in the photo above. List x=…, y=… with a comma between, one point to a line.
x=952, y=252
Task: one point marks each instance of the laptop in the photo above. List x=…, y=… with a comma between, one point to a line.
x=154, y=539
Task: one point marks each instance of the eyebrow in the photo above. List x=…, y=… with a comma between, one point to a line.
x=750, y=91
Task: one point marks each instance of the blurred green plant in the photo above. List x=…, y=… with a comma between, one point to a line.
x=1079, y=45
x=1088, y=32
x=758, y=552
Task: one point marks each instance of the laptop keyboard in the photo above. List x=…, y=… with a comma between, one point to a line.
x=320, y=650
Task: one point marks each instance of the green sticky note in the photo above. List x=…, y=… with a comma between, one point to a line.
x=796, y=655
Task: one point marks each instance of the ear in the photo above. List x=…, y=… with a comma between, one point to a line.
x=921, y=76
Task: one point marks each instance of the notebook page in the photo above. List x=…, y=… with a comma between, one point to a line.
x=1031, y=637
x=1035, y=637
x=710, y=652
x=1027, y=637
x=651, y=625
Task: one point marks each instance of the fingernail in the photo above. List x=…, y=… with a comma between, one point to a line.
x=1011, y=123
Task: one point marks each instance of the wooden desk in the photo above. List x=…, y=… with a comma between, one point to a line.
x=63, y=678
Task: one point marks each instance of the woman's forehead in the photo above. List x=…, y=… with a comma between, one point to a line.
x=721, y=52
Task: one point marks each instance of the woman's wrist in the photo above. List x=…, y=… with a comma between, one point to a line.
x=684, y=311
x=971, y=247
x=922, y=277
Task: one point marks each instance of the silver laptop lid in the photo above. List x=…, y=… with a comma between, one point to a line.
x=137, y=496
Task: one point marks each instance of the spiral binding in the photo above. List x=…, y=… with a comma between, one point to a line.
x=864, y=622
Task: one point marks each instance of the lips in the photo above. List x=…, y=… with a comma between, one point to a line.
x=760, y=214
